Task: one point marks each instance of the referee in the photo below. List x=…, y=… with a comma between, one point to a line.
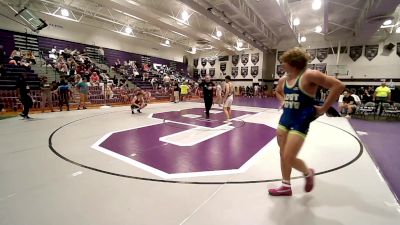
x=208, y=87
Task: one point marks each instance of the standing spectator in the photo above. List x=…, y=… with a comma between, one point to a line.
x=175, y=88
x=63, y=93
x=381, y=95
x=184, y=91
x=46, y=94
x=23, y=95
x=83, y=90
x=153, y=83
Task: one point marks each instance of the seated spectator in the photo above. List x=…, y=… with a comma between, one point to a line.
x=347, y=104
x=12, y=62
x=138, y=102
x=117, y=64
x=16, y=55
x=94, y=79
x=30, y=57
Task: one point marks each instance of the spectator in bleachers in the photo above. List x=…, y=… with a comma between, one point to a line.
x=45, y=87
x=94, y=79
x=166, y=81
x=23, y=95
x=83, y=90
x=109, y=92
x=30, y=57
x=117, y=64
x=63, y=93
x=153, y=83
x=53, y=54
x=16, y=55
x=101, y=54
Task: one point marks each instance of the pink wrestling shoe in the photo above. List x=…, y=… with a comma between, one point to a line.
x=309, y=181
x=281, y=191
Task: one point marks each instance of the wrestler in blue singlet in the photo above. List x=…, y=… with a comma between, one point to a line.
x=298, y=109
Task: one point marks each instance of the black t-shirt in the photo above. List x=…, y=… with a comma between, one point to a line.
x=22, y=86
x=348, y=99
x=176, y=87
x=205, y=86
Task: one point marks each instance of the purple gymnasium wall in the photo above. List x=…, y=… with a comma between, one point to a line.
x=48, y=43
x=7, y=40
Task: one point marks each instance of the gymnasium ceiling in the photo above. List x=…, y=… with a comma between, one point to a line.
x=260, y=24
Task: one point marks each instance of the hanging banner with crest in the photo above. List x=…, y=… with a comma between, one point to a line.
x=222, y=66
x=235, y=71
x=245, y=59
x=235, y=59
x=355, y=52
x=244, y=71
x=322, y=54
x=371, y=51
x=255, y=57
x=254, y=71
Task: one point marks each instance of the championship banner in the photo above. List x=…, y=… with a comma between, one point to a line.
x=398, y=48
x=321, y=67
x=235, y=72
x=355, y=52
x=278, y=55
x=312, y=53
x=279, y=70
x=244, y=71
x=195, y=62
x=371, y=51
x=222, y=66
x=212, y=62
x=254, y=70
x=255, y=57
x=211, y=71
x=311, y=66
x=195, y=72
x=322, y=54
x=203, y=72
x=235, y=59
x=203, y=61
x=245, y=59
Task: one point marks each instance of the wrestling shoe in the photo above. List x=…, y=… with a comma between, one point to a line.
x=280, y=191
x=309, y=181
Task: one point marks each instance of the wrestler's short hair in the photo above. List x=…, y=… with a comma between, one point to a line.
x=296, y=57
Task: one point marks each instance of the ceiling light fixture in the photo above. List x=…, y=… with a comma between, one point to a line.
x=167, y=42
x=398, y=30
x=387, y=22
x=128, y=30
x=318, y=29
x=296, y=21
x=316, y=4
x=65, y=12
x=218, y=33
x=185, y=15
x=239, y=43
x=303, y=39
